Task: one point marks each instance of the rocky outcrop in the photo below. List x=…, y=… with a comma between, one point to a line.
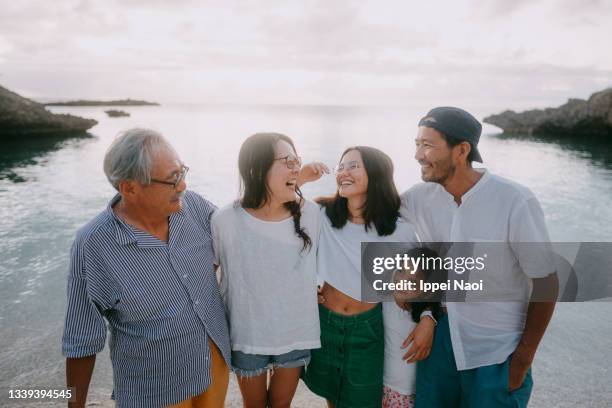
x=112, y=113
x=578, y=117
x=20, y=116
x=120, y=102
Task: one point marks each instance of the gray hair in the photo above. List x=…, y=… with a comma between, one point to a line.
x=131, y=155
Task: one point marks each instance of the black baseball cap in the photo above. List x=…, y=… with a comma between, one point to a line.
x=456, y=123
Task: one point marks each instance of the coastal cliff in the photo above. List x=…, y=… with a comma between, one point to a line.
x=20, y=116
x=578, y=117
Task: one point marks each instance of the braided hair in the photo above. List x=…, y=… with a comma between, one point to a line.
x=255, y=159
x=295, y=208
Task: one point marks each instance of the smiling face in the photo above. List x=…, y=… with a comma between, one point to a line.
x=434, y=155
x=280, y=180
x=353, y=179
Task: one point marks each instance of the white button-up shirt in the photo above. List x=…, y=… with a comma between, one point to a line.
x=493, y=210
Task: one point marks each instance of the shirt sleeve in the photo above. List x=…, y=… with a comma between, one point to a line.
x=407, y=207
x=315, y=234
x=410, y=234
x=216, y=243
x=202, y=209
x=84, y=327
x=211, y=209
x=529, y=239
x=216, y=240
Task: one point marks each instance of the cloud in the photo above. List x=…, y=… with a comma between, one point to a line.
x=313, y=51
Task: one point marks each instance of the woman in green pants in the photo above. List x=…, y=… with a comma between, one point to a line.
x=348, y=368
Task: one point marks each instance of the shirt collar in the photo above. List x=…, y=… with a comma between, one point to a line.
x=126, y=234
x=483, y=179
x=123, y=233
x=481, y=182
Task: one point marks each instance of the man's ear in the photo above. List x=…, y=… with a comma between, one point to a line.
x=127, y=188
x=463, y=150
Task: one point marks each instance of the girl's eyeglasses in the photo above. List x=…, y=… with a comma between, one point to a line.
x=291, y=161
x=350, y=166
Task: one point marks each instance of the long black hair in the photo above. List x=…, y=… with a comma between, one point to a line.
x=254, y=161
x=382, y=203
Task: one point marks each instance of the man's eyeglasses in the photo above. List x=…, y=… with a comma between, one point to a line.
x=180, y=176
x=350, y=166
x=291, y=161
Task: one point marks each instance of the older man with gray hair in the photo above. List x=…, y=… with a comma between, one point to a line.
x=144, y=267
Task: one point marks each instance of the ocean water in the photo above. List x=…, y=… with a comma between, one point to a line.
x=49, y=188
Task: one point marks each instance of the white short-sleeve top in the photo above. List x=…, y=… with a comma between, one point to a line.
x=339, y=258
x=339, y=264
x=268, y=282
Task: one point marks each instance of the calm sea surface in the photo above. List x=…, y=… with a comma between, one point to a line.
x=49, y=188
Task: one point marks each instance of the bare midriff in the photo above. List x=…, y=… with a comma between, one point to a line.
x=340, y=303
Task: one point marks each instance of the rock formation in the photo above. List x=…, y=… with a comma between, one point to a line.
x=20, y=116
x=112, y=113
x=577, y=117
x=120, y=102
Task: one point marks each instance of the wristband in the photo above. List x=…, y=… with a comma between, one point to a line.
x=428, y=313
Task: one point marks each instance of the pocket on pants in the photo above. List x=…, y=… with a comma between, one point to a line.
x=520, y=396
x=375, y=329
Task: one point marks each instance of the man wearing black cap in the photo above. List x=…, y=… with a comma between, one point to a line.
x=482, y=352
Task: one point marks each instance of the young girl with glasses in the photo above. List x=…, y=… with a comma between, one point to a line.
x=348, y=370
x=265, y=244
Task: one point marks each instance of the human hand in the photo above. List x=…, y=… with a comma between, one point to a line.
x=520, y=361
x=312, y=172
x=420, y=341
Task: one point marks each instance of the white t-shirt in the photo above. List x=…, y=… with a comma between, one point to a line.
x=339, y=264
x=269, y=287
x=493, y=210
x=397, y=375
x=339, y=257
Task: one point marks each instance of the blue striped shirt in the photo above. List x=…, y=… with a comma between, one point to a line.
x=160, y=299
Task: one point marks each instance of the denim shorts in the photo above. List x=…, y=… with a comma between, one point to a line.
x=251, y=365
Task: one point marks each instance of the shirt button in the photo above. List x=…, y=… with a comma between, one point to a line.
x=185, y=276
x=197, y=302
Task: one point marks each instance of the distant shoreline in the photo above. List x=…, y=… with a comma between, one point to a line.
x=120, y=102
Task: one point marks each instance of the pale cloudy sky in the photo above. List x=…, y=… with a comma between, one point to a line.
x=516, y=54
